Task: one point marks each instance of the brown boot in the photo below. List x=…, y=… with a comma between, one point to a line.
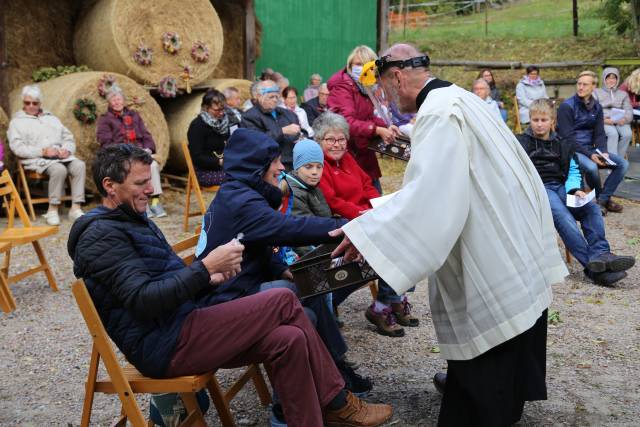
x=385, y=322
x=358, y=413
x=402, y=311
x=613, y=206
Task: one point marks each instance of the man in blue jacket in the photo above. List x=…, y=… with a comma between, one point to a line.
x=555, y=160
x=581, y=121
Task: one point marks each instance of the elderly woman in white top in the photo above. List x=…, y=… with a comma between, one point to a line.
x=290, y=97
x=482, y=89
x=44, y=145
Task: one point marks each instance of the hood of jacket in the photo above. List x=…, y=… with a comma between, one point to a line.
x=247, y=156
x=605, y=73
x=20, y=114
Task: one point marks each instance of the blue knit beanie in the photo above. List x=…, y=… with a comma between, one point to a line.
x=306, y=151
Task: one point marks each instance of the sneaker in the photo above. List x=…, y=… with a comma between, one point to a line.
x=52, y=218
x=402, y=311
x=617, y=262
x=75, y=214
x=358, y=413
x=158, y=211
x=607, y=278
x=440, y=381
x=357, y=384
x=385, y=322
x=149, y=212
x=277, y=416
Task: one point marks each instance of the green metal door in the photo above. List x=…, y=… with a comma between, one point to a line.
x=302, y=37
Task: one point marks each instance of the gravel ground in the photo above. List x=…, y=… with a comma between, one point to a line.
x=593, y=352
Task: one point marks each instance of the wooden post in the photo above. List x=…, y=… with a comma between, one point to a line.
x=486, y=18
x=404, y=20
x=575, y=18
x=249, y=40
x=383, y=25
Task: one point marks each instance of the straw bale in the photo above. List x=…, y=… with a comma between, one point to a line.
x=232, y=61
x=181, y=111
x=4, y=124
x=61, y=93
x=108, y=35
x=39, y=34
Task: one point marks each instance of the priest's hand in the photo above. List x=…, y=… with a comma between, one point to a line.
x=346, y=247
x=387, y=135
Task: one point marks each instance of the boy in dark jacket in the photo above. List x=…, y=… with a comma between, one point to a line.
x=158, y=312
x=557, y=165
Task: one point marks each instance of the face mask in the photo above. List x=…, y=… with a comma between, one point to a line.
x=356, y=70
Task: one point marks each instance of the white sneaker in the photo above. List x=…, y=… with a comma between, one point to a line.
x=52, y=218
x=75, y=214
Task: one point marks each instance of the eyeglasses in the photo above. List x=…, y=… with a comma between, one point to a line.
x=34, y=103
x=333, y=141
x=216, y=109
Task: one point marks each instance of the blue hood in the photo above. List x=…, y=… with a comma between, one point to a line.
x=247, y=156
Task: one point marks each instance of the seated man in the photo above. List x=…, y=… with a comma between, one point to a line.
x=318, y=105
x=482, y=89
x=161, y=314
x=233, y=102
x=43, y=144
x=278, y=123
x=557, y=165
x=581, y=122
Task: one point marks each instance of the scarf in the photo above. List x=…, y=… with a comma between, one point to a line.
x=221, y=125
x=536, y=82
x=129, y=132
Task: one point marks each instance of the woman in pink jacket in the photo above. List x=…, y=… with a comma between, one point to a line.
x=347, y=98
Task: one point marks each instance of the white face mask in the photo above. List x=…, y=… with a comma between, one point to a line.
x=356, y=70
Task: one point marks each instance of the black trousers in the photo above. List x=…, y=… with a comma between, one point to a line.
x=490, y=390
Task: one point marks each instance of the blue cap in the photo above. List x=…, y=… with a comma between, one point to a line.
x=306, y=151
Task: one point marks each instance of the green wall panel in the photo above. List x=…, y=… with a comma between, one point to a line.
x=302, y=37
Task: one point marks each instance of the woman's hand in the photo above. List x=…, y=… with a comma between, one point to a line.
x=63, y=154
x=50, y=152
x=224, y=259
x=608, y=121
x=387, y=135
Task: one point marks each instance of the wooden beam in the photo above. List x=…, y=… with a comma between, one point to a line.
x=382, y=42
x=512, y=65
x=249, y=40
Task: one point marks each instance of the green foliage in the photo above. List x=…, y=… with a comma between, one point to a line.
x=47, y=73
x=617, y=13
x=554, y=317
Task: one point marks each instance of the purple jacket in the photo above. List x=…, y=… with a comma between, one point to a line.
x=111, y=130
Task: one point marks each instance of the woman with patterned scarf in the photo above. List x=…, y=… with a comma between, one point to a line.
x=208, y=134
x=120, y=125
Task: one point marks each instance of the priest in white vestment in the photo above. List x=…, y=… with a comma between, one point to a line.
x=473, y=217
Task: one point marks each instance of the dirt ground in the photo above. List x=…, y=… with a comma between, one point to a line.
x=593, y=351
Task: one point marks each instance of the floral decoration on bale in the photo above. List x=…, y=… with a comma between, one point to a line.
x=84, y=110
x=143, y=54
x=105, y=84
x=200, y=52
x=168, y=87
x=171, y=42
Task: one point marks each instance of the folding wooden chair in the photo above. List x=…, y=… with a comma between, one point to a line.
x=7, y=303
x=22, y=235
x=517, y=129
x=24, y=176
x=192, y=185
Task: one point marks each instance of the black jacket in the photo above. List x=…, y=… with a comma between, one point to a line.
x=313, y=109
x=204, y=141
x=141, y=289
x=257, y=119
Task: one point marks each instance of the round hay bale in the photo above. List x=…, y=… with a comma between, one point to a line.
x=108, y=35
x=179, y=114
x=60, y=95
x=4, y=125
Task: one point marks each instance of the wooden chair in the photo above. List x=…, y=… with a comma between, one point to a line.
x=24, y=176
x=517, y=129
x=22, y=235
x=7, y=303
x=192, y=185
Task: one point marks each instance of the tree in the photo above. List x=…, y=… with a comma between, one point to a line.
x=623, y=16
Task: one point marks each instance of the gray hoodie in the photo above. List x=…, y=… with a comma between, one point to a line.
x=526, y=92
x=614, y=97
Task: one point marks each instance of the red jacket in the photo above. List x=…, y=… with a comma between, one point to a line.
x=346, y=187
x=346, y=99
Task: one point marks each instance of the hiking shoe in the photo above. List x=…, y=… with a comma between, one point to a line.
x=158, y=211
x=385, y=321
x=357, y=384
x=402, y=311
x=617, y=262
x=613, y=206
x=52, y=218
x=358, y=413
x=277, y=416
x=597, y=265
x=440, y=381
x=75, y=214
x=607, y=278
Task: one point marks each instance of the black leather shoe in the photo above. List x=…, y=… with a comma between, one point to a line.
x=617, y=262
x=440, y=381
x=607, y=278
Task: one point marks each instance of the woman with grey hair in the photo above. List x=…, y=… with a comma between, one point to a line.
x=314, y=87
x=348, y=190
x=43, y=144
x=120, y=125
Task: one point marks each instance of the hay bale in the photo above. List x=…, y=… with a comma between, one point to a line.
x=231, y=63
x=108, y=35
x=181, y=111
x=4, y=125
x=60, y=95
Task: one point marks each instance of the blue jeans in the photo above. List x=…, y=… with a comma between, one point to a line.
x=583, y=248
x=616, y=176
x=321, y=316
